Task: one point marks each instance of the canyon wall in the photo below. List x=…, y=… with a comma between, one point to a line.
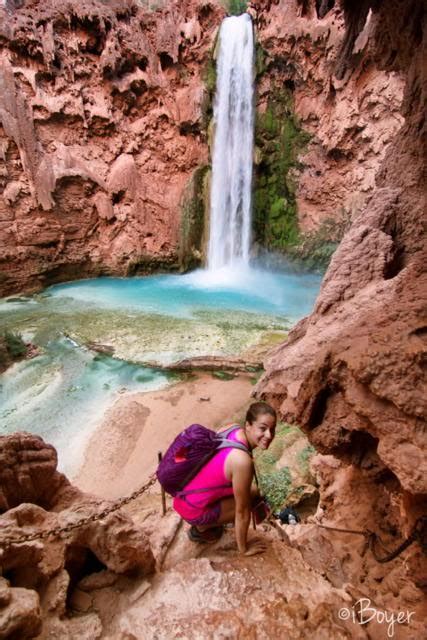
x=102, y=112
x=333, y=129
x=104, y=149
x=353, y=374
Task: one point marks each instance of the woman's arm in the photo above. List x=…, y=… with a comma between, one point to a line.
x=241, y=477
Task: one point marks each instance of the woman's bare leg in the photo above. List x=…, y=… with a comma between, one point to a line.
x=228, y=509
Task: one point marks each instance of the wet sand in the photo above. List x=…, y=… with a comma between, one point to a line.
x=122, y=452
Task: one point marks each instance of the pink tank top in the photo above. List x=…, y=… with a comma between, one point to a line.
x=212, y=478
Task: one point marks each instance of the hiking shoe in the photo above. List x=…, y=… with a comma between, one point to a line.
x=205, y=537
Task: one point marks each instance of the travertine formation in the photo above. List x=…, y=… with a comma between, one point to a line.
x=352, y=115
x=39, y=575
x=353, y=373
x=102, y=107
x=104, y=114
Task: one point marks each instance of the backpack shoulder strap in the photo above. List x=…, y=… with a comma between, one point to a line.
x=226, y=432
x=236, y=445
x=226, y=443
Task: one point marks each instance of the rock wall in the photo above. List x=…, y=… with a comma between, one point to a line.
x=102, y=109
x=38, y=576
x=104, y=112
x=351, y=116
x=353, y=373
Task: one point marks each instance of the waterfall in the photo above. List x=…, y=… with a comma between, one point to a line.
x=230, y=205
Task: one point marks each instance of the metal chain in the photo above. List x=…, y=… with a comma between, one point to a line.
x=419, y=532
x=354, y=531
x=57, y=531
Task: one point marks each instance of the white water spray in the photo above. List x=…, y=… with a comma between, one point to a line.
x=230, y=210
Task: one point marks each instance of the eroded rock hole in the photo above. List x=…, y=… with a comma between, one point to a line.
x=305, y=7
x=421, y=332
x=188, y=128
x=165, y=60
x=395, y=265
x=205, y=15
x=79, y=563
x=142, y=63
x=26, y=577
x=139, y=87
x=319, y=407
x=363, y=447
x=118, y=196
x=323, y=7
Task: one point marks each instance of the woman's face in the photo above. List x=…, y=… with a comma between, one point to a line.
x=261, y=432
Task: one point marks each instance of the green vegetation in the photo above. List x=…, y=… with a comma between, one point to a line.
x=278, y=140
x=12, y=347
x=275, y=484
x=235, y=7
x=193, y=219
x=259, y=59
x=223, y=375
x=316, y=248
x=304, y=457
x=14, y=344
x=209, y=75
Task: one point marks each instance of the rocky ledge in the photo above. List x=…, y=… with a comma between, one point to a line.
x=353, y=373
x=40, y=574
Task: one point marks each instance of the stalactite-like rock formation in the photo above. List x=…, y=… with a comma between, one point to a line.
x=102, y=109
x=104, y=112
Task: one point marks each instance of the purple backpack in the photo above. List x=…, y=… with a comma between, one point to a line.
x=188, y=453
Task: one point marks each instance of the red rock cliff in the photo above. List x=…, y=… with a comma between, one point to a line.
x=103, y=112
x=353, y=373
x=101, y=109
x=352, y=116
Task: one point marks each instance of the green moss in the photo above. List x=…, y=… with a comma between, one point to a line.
x=209, y=75
x=235, y=7
x=279, y=139
x=315, y=249
x=192, y=220
x=260, y=57
x=223, y=375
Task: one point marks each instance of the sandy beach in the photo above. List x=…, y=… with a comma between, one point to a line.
x=122, y=453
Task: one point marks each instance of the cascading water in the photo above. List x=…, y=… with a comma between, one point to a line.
x=63, y=393
x=230, y=206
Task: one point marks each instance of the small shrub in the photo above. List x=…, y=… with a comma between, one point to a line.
x=304, y=457
x=275, y=486
x=14, y=344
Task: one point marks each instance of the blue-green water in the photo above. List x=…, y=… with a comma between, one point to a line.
x=63, y=393
x=249, y=290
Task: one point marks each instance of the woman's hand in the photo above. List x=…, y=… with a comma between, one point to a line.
x=255, y=546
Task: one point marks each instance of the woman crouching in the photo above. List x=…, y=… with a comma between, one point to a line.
x=223, y=490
